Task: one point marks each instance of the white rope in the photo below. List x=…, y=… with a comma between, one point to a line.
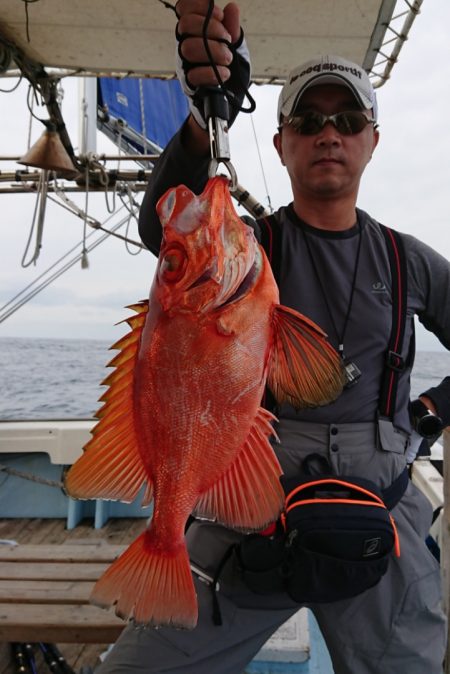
x=95, y=224
x=133, y=216
x=7, y=313
x=30, y=124
x=84, y=257
x=39, y=212
x=72, y=206
x=261, y=165
x=71, y=250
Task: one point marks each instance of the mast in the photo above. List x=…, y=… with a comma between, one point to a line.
x=87, y=123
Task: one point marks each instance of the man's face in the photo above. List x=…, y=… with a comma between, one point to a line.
x=327, y=165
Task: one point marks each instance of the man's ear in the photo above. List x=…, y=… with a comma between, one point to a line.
x=278, y=147
x=376, y=138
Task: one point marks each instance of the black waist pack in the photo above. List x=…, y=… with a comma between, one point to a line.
x=334, y=540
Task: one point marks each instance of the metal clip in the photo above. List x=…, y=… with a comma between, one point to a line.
x=213, y=168
x=217, y=114
x=218, y=138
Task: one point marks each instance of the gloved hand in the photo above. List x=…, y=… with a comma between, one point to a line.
x=228, y=49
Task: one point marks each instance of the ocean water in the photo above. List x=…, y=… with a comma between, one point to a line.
x=51, y=378
x=60, y=378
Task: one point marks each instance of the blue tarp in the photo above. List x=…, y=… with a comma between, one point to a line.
x=164, y=105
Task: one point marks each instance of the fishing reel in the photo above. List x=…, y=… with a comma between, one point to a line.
x=425, y=423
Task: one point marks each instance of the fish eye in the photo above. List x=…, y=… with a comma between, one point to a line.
x=173, y=264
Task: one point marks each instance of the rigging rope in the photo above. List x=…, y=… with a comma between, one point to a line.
x=84, y=257
x=30, y=476
x=95, y=224
x=133, y=215
x=16, y=86
x=27, y=18
x=41, y=204
x=7, y=313
x=261, y=165
x=30, y=125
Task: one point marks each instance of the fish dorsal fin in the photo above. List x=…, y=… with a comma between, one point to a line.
x=249, y=495
x=304, y=369
x=111, y=467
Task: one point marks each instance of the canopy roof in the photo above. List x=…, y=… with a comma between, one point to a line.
x=112, y=37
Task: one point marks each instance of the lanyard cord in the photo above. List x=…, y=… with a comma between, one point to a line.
x=340, y=337
x=231, y=97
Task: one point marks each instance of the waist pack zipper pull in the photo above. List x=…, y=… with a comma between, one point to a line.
x=396, y=537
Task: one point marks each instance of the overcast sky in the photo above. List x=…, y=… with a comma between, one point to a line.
x=406, y=186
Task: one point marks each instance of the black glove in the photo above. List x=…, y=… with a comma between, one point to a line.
x=236, y=86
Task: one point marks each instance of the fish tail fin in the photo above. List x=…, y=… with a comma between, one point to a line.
x=150, y=584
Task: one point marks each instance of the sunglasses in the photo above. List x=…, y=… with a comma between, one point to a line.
x=347, y=123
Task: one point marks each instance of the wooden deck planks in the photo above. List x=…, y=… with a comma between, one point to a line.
x=67, y=553
x=45, y=570
x=70, y=623
x=45, y=592
x=85, y=633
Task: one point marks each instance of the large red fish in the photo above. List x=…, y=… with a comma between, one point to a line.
x=182, y=412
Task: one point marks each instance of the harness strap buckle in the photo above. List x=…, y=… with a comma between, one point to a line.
x=395, y=361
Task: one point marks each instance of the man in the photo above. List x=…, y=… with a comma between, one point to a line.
x=334, y=268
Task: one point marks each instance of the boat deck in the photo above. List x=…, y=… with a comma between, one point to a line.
x=54, y=532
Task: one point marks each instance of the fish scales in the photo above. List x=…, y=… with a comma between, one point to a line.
x=182, y=412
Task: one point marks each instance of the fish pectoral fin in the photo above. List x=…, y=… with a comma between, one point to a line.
x=249, y=495
x=111, y=467
x=304, y=369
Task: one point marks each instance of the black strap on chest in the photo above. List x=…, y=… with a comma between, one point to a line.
x=395, y=364
x=271, y=242
x=270, y=230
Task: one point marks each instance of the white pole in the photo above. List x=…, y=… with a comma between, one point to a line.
x=87, y=128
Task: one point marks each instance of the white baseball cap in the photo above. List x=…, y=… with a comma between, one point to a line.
x=326, y=70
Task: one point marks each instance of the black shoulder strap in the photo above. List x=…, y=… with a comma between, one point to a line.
x=271, y=242
x=394, y=361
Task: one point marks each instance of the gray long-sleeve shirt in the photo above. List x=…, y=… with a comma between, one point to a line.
x=324, y=265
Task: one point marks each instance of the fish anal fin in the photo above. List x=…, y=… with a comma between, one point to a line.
x=249, y=495
x=111, y=466
x=150, y=584
x=304, y=369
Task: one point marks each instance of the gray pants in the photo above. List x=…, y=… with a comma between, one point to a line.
x=397, y=626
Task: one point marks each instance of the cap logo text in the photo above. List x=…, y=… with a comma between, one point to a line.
x=330, y=67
